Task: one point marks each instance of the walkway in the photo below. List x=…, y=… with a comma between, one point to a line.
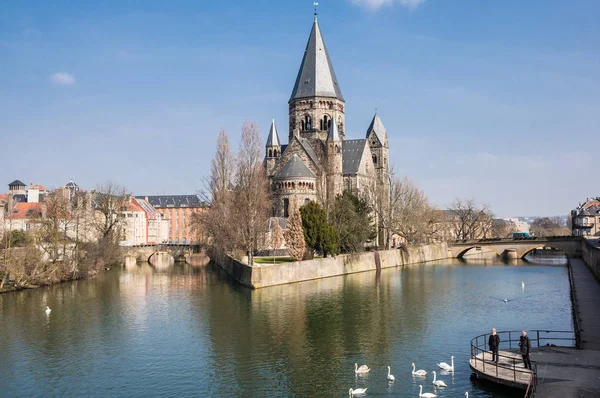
x=509, y=370
x=587, y=304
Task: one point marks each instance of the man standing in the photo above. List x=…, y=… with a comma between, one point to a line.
x=525, y=349
x=494, y=343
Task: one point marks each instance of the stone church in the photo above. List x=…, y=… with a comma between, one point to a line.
x=319, y=163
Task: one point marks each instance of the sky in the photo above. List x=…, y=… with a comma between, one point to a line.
x=498, y=101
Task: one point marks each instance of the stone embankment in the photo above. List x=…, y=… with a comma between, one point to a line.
x=278, y=274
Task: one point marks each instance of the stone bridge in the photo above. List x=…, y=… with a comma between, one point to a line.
x=519, y=248
x=158, y=255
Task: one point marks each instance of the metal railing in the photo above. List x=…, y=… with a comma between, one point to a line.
x=574, y=307
x=508, y=341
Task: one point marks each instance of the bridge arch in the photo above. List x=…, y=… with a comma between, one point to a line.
x=525, y=251
x=475, y=246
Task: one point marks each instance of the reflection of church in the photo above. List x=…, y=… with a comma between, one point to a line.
x=319, y=163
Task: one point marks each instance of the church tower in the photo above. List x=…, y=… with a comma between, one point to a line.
x=334, y=159
x=316, y=98
x=273, y=149
x=378, y=143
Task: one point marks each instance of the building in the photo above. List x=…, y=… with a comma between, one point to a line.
x=585, y=219
x=318, y=162
x=24, y=216
x=178, y=210
x=142, y=224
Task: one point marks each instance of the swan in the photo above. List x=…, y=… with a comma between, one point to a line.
x=438, y=383
x=427, y=394
x=419, y=372
x=467, y=394
x=523, y=284
x=445, y=366
x=48, y=310
x=390, y=376
x=362, y=370
x=357, y=391
x=505, y=300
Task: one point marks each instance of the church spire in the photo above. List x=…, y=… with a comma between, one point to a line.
x=316, y=77
x=273, y=139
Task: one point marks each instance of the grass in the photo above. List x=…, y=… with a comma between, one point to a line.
x=272, y=260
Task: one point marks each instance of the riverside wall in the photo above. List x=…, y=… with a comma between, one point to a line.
x=591, y=256
x=278, y=274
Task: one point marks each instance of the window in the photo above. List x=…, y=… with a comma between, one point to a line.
x=184, y=241
x=375, y=160
x=286, y=207
x=270, y=153
x=306, y=201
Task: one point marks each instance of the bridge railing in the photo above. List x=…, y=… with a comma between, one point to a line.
x=510, y=340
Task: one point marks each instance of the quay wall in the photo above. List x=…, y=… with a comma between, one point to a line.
x=591, y=256
x=260, y=276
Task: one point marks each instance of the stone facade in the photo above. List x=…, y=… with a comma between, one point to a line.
x=318, y=163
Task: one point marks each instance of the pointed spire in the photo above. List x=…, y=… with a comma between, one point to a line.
x=379, y=129
x=334, y=134
x=273, y=139
x=316, y=77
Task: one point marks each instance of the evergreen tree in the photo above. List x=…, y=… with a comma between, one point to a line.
x=318, y=233
x=352, y=220
x=294, y=236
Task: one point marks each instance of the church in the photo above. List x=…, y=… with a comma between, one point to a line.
x=319, y=163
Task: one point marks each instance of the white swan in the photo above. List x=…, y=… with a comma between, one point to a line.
x=467, y=394
x=362, y=370
x=523, y=284
x=357, y=391
x=447, y=367
x=48, y=310
x=505, y=300
x=427, y=394
x=419, y=372
x=438, y=383
x=390, y=376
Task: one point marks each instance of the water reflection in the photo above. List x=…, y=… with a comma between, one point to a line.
x=186, y=329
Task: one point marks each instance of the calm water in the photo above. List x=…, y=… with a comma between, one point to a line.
x=191, y=332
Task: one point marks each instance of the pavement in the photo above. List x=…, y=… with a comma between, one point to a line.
x=587, y=304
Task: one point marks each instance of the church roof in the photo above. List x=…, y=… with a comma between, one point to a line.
x=352, y=152
x=309, y=149
x=295, y=168
x=379, y=128
x=316, y=77
x=273, y=139
x=334, y=134
x=16, y=183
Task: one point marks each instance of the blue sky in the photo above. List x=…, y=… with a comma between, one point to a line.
x=493, y=100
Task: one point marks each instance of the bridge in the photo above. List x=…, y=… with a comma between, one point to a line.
x=161, y=255
x=519, y=248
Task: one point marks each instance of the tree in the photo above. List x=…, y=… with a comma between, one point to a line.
x=276, y=235
x=109, y=199
x=319, y=235
x=351, y=219
x=251, y=196
x=546, y=226
x=502, y=228
x=294, y=235
x=469, y=220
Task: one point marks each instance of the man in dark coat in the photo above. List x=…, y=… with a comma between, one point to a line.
x=525, y=349
x=494, y=343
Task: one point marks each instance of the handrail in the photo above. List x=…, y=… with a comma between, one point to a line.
x=479, y=345
x=574, y=306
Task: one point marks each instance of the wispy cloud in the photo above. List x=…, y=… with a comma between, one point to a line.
x=62, y=78
x=377, y=4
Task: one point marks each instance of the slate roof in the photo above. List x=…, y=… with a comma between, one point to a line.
x=309, y=149
x=162, y=201
x=16, y=183
x=294, y=168
x=273, y=139
x=380, y=131
x=316, y=76
x=71, y=184
x=352, y=151
x=19, y=198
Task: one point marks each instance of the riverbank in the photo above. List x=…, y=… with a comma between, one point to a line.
x=259, y=276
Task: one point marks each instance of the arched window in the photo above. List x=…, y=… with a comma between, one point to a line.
x=325, y=124
x=270, y=153
x=307, y=123
x=176, y=241
x=303, y=126
x=321, y=124
x=275, y=152
x=306, y=201
x=337, y=149
x=286, y=207
x=184, y=241
x=375, y=160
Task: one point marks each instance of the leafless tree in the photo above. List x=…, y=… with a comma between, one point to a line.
x=276, y=235
x=251, y=197
x=470, y=220
x=294, y=234
x=502, y=228
x=109, y=198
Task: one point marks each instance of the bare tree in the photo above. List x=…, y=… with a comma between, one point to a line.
x=502, y=228
x=221, y=169
x=470, y=220
x=109, y=199
x=276, y=235
x=251, y=197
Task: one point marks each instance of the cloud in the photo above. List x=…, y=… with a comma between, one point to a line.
x=62, y=78
x=376, y=4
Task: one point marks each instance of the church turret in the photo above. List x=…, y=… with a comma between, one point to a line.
x=334, y=157
x=273, y=149
x=378, y=143
x=316, y=96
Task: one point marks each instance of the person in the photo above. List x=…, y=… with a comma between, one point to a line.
x=525, y=349
x=494, y=343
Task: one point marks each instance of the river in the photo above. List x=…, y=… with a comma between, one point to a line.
x=193, y=332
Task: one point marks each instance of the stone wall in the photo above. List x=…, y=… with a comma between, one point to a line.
x=591, y=256
x=278, y=274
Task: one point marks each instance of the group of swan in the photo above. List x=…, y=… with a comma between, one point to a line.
x=363, y=370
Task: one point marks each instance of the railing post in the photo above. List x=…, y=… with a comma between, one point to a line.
x=509, y=341
x=538, y=338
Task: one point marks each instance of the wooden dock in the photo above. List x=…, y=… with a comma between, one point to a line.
x=508, y=371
